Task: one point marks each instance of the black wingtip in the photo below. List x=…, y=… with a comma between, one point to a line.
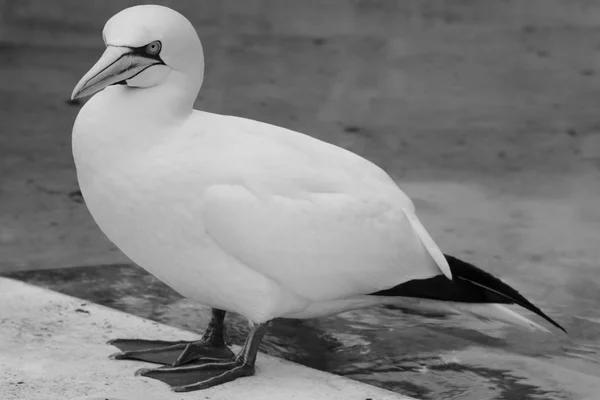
x=469, y=285
x=465, y=271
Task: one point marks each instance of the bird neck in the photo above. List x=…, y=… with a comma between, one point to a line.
x=121, y=121
x=174, y=97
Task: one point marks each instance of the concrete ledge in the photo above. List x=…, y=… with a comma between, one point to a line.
x=53, y=346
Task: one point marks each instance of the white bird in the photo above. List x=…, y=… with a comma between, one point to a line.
x=241, y=215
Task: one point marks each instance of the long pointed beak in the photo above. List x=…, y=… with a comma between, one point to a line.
x=116, y=64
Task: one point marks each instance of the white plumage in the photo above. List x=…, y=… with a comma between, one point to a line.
x=244, y=216
x=237, y=214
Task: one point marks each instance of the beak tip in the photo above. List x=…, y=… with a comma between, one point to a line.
x=114, y=65
x=76, y=93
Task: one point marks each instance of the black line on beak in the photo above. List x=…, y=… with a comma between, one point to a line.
x=140, y=52
x=124, y=82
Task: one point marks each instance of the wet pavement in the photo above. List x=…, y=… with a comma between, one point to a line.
x=427, y=356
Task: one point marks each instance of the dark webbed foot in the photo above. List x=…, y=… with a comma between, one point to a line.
x=169, y=353
x=195, y=376
x=211, y=348
x=191, y=377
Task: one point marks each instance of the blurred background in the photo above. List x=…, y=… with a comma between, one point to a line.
x=485, y=112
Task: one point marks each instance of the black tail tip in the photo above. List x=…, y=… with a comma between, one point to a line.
x=469, y=284
x=494, y=287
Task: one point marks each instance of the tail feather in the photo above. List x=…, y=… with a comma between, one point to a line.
x=472, y=286
x=497, y=312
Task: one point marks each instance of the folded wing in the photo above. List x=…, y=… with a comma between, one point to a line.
x=322, y=246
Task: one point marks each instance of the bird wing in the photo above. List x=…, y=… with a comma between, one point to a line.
x=322, y=246
x=319, y=220
x=427, y=241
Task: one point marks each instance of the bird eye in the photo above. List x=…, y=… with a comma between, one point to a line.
x=153, y=48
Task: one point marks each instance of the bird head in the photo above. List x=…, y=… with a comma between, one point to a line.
x=146, y=46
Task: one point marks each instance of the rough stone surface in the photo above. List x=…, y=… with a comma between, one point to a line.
x=53, y=346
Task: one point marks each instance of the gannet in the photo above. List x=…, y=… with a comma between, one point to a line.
x=241, y=215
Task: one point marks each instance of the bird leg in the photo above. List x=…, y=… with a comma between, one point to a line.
x=191, y=377
x=210, y=348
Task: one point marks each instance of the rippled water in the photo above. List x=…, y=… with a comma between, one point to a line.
x=425, y=356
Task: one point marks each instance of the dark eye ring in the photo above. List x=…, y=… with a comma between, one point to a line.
x=153, y=48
